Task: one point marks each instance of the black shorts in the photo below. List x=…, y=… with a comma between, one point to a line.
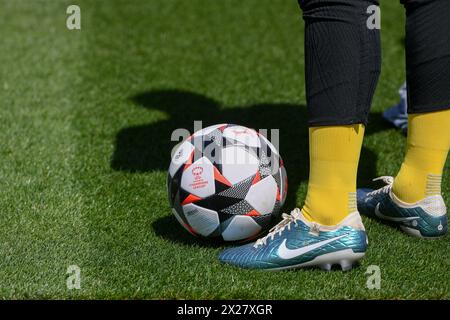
x=343, y=58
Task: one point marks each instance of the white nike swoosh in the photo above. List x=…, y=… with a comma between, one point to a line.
x=399, y=219
x=286, y=253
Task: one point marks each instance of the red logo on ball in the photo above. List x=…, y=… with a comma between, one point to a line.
x=197, y=172
x=238, y=132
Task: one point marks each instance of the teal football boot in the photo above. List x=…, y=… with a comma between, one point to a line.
x=296, y=242
x=426, y=218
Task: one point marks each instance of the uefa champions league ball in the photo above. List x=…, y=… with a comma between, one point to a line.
x=226, y=181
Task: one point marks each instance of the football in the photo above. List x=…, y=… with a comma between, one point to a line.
x=226, y=181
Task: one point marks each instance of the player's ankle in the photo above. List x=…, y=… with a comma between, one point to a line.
x=329, y=220
x=413, y=191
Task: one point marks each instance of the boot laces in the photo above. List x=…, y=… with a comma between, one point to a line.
x=386, y=179
x=287, y=221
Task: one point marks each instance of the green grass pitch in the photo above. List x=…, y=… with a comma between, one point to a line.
x=86, y=118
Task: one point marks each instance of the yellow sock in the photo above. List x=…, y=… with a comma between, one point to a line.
x=427, y=147
x=334, y=155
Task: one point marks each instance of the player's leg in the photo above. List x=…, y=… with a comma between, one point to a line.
x=341, y=76
x=413, y=199
x=342, y=67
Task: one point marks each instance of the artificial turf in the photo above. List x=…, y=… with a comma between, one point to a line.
x=86, y=122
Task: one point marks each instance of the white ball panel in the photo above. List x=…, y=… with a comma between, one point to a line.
x=262, y=195
x=198, y=178
x=239, y=228
x=269, y=144
x=202, y=220
x=243, y=135
x=180, y=156
x=208, y=130
x=238, y=164
x=284, y=186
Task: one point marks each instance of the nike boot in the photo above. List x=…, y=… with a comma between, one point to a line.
x=296, y=242
x=426, y=218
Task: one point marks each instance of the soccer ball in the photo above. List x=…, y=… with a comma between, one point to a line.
x=226, y=181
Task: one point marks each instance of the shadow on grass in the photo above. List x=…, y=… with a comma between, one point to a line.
x=169, y=229
x=147, y=148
